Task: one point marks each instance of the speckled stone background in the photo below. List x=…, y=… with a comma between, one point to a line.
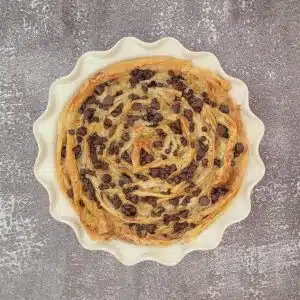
x=257, y=41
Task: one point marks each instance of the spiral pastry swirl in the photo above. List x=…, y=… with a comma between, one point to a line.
x=151, y=150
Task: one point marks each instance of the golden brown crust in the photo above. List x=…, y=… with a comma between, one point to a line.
x=157, y=177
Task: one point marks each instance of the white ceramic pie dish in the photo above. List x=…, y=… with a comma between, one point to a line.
x=45, y=133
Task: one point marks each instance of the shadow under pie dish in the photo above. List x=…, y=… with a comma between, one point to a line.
x=151, y=150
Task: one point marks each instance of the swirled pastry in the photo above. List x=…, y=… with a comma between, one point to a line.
x=151, y=150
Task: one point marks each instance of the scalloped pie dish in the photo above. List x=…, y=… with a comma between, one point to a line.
x=151, y=150
x=148, y=151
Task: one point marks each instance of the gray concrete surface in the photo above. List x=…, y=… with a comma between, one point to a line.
x=257, y=41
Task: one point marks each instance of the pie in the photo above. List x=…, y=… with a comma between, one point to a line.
x=151, y=150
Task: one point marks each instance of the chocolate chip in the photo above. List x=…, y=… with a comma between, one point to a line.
x=155, y=172
x=126, y=157
x=168, y=192
x=130, y=189
x=217, y=192
x=132, y=198
x=124, y=179
x=108, y=101
x=106, y=178
x=125, y=136
x=205, y=94
x=183, y=141
x=217, y=162
x=200, y=154
x=204, y=129
x=137, y=106
x=144, y=88
x=63, y=152
x=138, y=75
x=118, y=110
x=204, y=201
x=188, y=93
x=141, y=230
x=129, y=210
x=168, y=218
x=100, y=89
x=81, y=131
x=119, y=93
x=152, y=116
x=82, y=108
x=157, y=117
x=104, y=186
x=71, y=131
x=204, y=162
x=171, y=169
x=174, y=201
x=176, y=180
x=107, y=123
x=176, y=107
x=202, y=146
x=176, y=127
x=168, y=150
x=77, y=151
x=88, y=188
x=192, y=127
x=177, y=82
x=121, y=144
x=171, y=73
x=84, y=172
x=160, y=133
x=203, y=138
x=196, y=192
x=90, y=100
x=81, y=203
x=113, y=149
x=89, y=114
x=152, y=84
x=183, y=214
x=162, y=173
x=150, y=200
x=116, y=201
x=96, y=119
x=196, y=104
x=157, y=144
x=129, y=121
x=222, y=131
x=100, y=164
x=207, y=101
x=70, y=193
x=186, y=200
x=134, y=96
x=151, y=228
x=224, y=109
x=145, y=157
x=155, y=104
x=239, y=148
x=96, y=139
x=141, y=177
x=188, y=114
x=180, y=226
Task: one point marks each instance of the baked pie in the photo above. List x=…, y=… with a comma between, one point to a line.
x=151, y=150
